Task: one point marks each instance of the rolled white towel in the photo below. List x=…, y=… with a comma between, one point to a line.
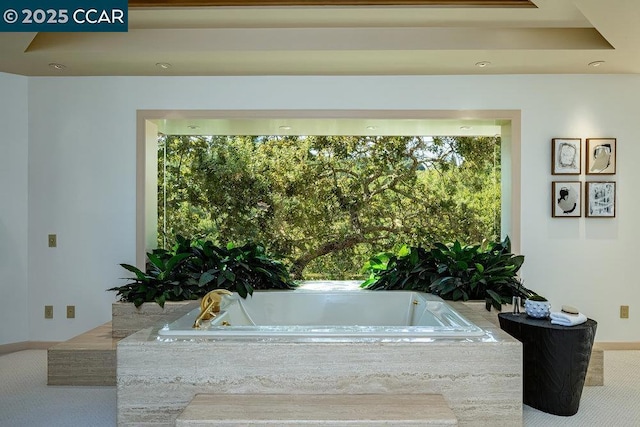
x=564, y=319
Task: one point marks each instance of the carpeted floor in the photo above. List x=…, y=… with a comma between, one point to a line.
x=26, y=400
x=616, y=404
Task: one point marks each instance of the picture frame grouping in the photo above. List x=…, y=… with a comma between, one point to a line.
x=600, y=154
x=599, y=197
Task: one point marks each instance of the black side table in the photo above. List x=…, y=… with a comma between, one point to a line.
x=555, y=358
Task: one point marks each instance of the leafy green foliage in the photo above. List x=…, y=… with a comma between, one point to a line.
x=240, y=268
x=191, y=269
x=454, y=272
x=164, y=280
x=325, y=203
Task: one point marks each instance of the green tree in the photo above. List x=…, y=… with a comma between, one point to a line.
x=325, y=203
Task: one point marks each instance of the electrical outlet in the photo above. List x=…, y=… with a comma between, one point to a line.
x=71, y=312
x=48, y=312
x=53, y=240
x=624, y=311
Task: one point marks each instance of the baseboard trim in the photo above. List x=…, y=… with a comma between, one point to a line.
x=26, y=345
x=617, y=345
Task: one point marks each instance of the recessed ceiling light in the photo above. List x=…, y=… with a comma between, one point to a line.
x=595, y=63
x=465, y=127
x=193, y=127
x=371, y=128
x=163, y=65
x=483, y=64
x=285, y=128
x=57, y=66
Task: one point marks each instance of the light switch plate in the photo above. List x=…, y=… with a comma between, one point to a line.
x=624, y=311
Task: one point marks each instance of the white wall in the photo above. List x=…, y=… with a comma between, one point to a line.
x=14, y=139
x=82, y=141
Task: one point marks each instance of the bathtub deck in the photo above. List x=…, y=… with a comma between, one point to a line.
x=479, y=379
x=88, y=359
x=366, y=410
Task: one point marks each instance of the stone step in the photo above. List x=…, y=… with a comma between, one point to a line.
x=353, y=410
x=88, y=359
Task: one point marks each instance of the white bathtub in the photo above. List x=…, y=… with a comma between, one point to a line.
x=338, y=314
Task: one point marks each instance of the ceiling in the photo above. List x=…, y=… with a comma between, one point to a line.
x=555, y=37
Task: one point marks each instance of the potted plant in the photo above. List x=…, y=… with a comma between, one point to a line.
x=174, y=278
x=453, y=271
x=163, y=292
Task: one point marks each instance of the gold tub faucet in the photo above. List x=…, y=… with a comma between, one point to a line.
x=210, y=306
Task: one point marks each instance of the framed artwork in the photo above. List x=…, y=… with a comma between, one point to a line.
x=601, y=156
x=600, y=199
x=566, y=202
x=566, y=156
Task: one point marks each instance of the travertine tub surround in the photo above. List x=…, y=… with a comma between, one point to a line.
x=127, y=319
x=481, y=379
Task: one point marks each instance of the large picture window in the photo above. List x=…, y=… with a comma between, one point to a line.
x=327, y=203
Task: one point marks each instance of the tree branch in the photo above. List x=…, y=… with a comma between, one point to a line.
x=333, y=246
